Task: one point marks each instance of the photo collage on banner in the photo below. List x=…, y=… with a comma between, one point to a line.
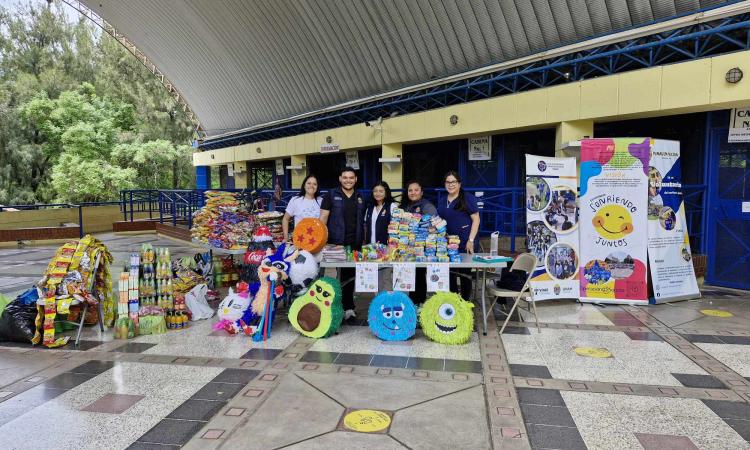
x=669, y=255
x=614, y=204
x=552, y=225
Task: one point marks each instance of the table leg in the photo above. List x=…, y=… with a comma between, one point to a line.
x=484, y=305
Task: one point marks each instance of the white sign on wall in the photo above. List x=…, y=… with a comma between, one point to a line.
x=739, y=125
x=480, y=148
x=279, y=167
x=352, y=160
x=329, y=148
x=230, y=170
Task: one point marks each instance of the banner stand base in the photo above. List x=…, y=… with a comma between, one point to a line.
x=677, y=298
x=614, y=301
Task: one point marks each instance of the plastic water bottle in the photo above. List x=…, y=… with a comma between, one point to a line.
x=494, y=237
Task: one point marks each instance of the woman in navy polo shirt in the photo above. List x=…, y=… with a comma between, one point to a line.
x=461, y=213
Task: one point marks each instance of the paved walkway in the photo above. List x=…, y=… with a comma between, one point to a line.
x=660, y=377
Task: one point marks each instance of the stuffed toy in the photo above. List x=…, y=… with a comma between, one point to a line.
x=446, y=318
x=234, y=311
x=272, y=274
x=318, y=312
x=303, y=270
x=392, y=316
x=310, y=234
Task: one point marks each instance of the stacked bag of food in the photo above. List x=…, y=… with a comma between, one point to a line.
x=221, y=224
x=417, y=237
x=272, y=220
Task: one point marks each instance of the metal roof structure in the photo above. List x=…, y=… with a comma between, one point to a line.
x=247, y=63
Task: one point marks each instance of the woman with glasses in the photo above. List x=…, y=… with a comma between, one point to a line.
x=416, y=203
x=461, y=212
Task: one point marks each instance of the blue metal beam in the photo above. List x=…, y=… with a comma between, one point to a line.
x=683, y=44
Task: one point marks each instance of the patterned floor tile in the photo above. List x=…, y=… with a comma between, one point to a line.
x=640, y=362
x=699, y=381
x=664, y=442
x=531, y=371
x=736, y=357
x=113, y=403
x=174, y=432
x=611, y=421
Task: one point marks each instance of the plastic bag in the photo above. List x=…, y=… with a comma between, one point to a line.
x=29, y=297
x=17, y=322
x=196, y=302
x=152, y=325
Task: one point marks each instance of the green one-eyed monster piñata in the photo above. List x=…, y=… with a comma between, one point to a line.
x=446, y=318
x=318, y=312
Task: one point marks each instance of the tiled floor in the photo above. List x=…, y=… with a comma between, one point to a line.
x=670, y=377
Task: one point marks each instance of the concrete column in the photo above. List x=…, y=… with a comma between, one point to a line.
x=298, y=175
x=240, y=177
x=573, y=130
x=393, y=172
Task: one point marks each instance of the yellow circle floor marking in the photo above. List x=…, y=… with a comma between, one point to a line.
x=716, y=313
x=367, y=420
x=593, y=352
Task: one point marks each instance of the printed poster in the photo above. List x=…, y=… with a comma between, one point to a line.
x=437, y=277
x=552, y=220
x=669, y=255
x=404, y=276
x=614, y=229
x=366, y=277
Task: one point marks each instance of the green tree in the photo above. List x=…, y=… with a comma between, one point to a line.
x=69, y=96
x=76, y=179
x=159, y=163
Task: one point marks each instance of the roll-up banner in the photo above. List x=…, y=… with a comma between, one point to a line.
x=669, y=255
x=552, y=225
x=614, y=204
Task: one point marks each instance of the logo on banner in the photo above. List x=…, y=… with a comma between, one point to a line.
x=542, y=166
x=556, y=289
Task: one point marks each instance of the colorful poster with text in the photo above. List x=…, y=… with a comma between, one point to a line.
x=552, y=225
x=614, y=200
x=669, y=255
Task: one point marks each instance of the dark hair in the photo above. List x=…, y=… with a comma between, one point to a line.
x=302, y=188
x=405, y=200
x=347, y=169
x=461, y=200
x=388, y=197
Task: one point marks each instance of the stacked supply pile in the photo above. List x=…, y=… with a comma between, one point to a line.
x=220, y=222
x=79, y=272
x=334, y=253
x=417, y=237
x=453, y=248
x=272, y=220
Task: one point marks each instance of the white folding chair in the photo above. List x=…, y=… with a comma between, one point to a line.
x=527, y=263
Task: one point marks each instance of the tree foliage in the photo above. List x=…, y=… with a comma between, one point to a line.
x=80, y=117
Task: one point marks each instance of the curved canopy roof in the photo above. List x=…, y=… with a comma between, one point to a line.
x=241, y=63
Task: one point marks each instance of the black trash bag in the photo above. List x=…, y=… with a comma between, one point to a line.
x=17, y=322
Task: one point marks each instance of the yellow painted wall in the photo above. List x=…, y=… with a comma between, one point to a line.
x=671, y=89
x=392, y=172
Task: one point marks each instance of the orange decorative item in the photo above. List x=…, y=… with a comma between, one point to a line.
x=310, y=234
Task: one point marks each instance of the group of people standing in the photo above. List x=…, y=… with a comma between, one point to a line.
x=353, y=221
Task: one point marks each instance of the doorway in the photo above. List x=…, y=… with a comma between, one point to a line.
x=728, y=234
